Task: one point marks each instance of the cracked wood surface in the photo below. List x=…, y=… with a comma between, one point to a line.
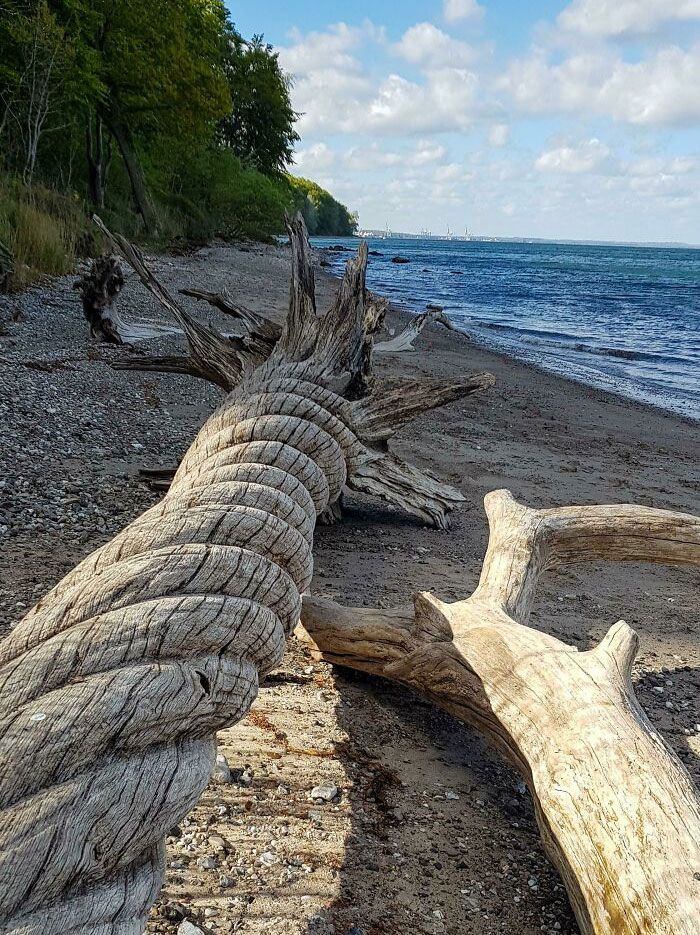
x=113, y=686
x=618, y=813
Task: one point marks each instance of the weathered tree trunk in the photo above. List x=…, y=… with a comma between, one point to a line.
x=139, y=188
x=97, y=160
x=340, y=343
x=618, y=813
x=99, y=286
x=112, y=687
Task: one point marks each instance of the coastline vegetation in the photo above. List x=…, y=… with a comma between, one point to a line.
x=161, y=117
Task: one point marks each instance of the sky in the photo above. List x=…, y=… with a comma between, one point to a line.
x=526, y=118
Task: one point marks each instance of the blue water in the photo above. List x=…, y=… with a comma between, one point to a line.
x=625, y=319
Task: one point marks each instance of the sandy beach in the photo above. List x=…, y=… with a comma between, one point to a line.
x=431, y=833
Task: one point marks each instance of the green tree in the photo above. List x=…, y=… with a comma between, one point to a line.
x=161, y=75
x=260, y=126
x=321, y=212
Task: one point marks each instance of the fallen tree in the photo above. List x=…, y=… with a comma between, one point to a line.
x=113, y=686
x=339, y=343
x=99, y=287
x=618, y=813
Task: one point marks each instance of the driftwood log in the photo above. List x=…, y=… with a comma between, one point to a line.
x=405, y=339
x=99, y=287
x=340, y=342
x=113, y=686
x=618, y=813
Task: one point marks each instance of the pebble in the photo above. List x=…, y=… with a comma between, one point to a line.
x=187, y=928
x=222, y=771
x=324, y=792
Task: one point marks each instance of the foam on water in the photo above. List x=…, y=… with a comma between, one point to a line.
x=626, y=319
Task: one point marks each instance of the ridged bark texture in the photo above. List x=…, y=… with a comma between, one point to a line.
x=112, y=687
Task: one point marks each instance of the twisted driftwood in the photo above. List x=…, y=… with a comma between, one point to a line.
x=340, y=342
x=112, y=687
x=618, y=813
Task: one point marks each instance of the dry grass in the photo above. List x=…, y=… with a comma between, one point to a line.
x=42, y=230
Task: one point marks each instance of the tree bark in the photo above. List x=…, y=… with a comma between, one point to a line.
x=139, y=188
x=618, y=813
x=97, y=160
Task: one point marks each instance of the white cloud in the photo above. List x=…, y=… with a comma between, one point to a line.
x=335, y=94
x=427, y=151
x=659, y=90
x=446, y=100
x=316, y=158
x=449, y=173
x=426, y=45
x=608, y=18
x=455, y=10
x=499, y=134
x=590, y=156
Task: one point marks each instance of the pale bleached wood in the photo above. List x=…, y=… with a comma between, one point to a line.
x=405, y=339
x=341, y=345
x=112, y=687
x=618, y=813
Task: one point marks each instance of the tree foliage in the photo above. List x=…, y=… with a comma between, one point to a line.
x=158, y=106
x=259, y=127
x=322, y=213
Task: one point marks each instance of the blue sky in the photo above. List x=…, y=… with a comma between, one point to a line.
x=572, y=119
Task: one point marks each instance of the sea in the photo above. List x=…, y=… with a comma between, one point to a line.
x=622, y=318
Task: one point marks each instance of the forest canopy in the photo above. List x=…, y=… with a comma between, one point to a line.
x=158, y=115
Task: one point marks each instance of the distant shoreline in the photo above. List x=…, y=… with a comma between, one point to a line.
x=485, y=238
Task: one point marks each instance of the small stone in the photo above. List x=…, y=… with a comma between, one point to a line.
x=187, y=928
x=325, y=792
x=210, y=912
x=207, y=863
x=222, y=771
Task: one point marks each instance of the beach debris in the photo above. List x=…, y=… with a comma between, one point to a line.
x=405, y=339
x=324, y=792
x=99, y=286
x=569, y=720
x=344, y=341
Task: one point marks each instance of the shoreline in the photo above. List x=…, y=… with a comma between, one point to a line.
x=644, y=371
x=430, y=832
x=404, y=315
